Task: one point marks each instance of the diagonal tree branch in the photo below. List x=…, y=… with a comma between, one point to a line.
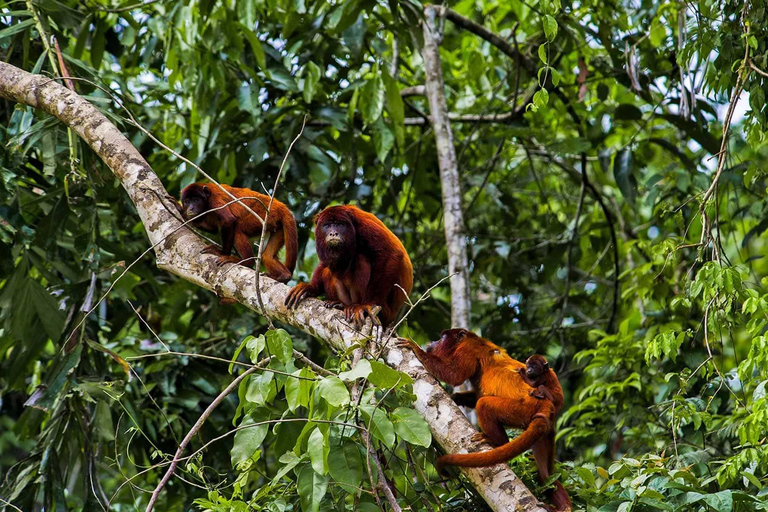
x=178, y=250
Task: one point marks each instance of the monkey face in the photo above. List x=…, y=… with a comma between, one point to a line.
x=194, y=201
x=335, y=237
x=536, y=366
x=335, y=234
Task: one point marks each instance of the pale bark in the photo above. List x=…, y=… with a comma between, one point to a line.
x=178, y=250
x=453, y=216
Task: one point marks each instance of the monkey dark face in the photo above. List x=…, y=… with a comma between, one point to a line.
x=536, y=366
x=336, y=234
x=335, y=237
x=194, y=201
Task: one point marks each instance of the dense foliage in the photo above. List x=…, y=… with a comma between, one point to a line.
x=644, y=280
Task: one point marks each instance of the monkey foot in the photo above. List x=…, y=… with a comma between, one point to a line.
x=480, y=438
x=223, y=260
x=211, y=249
x=356, y=313
x=280, y=277
x=333, y=304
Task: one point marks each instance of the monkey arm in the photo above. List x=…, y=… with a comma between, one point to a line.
x=303, y=290
x=546, y=393
x=446, y=371
x=227, y=238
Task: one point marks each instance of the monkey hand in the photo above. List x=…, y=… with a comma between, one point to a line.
x=405, y=343
x=537, y=394
x=356, y=313
x=299, y=293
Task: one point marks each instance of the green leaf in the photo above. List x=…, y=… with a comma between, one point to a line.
x=541, y=98
x=297, y=391
x=542, y=51
x=311, y=80
x=255, y=346
x=381, y=428
x=384, y=377
x=396, y=109
x=383, y=139
x=47, y=308
x=256, y=48
x=279, y=344
x=16, y=28
x=372, y=100
x=312, y=488
x=721, y=501
x=411, y=426
x=261, y=388
x=333, y=391
x=550, y=27
x=247, y=441
x=658, y=33
x=362, y=370
x=622, y=173
x=288, y=461
x=345, y=465
x=317, y=448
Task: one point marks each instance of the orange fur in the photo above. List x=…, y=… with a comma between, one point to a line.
x=502, y=399
x=361, y=261
x=237, y=225
x=543, y=380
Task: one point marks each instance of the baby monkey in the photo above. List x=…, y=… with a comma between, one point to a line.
x=543, y=380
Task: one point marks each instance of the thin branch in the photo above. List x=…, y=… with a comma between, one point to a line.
x=195, y=428
x=257, y=266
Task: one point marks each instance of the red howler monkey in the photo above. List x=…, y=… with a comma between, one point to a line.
x=237, y=225
x=543, y=380
x=502, y=399
x=361, y=261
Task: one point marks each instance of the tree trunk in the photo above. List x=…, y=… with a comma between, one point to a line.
x=453, y=216
x=178, y=250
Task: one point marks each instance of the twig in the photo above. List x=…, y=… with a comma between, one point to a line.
x=152, y=247
x=264, y=225
x=315, y=367
x=199, y=423
x=574, y=234
x=729, y=116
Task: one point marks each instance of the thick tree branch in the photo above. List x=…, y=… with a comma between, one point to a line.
x=178, y=250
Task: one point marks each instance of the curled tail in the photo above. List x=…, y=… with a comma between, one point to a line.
x=538, y=427
x=291, y=241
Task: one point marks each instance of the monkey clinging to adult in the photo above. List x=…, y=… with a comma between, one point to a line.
x=543, y=380
x=502, y=399
x=362, y=265
x=221, y=213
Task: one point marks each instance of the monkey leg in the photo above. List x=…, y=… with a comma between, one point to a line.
x=492, y=412
x=244, y=247
x=465, y=399
x=275, y=268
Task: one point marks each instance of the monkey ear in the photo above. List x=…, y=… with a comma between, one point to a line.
x=315, y=217
x=206, y=191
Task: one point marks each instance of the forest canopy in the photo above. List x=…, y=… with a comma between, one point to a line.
x=583, y=181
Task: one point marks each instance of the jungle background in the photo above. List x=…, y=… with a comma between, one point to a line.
x=614, y=196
